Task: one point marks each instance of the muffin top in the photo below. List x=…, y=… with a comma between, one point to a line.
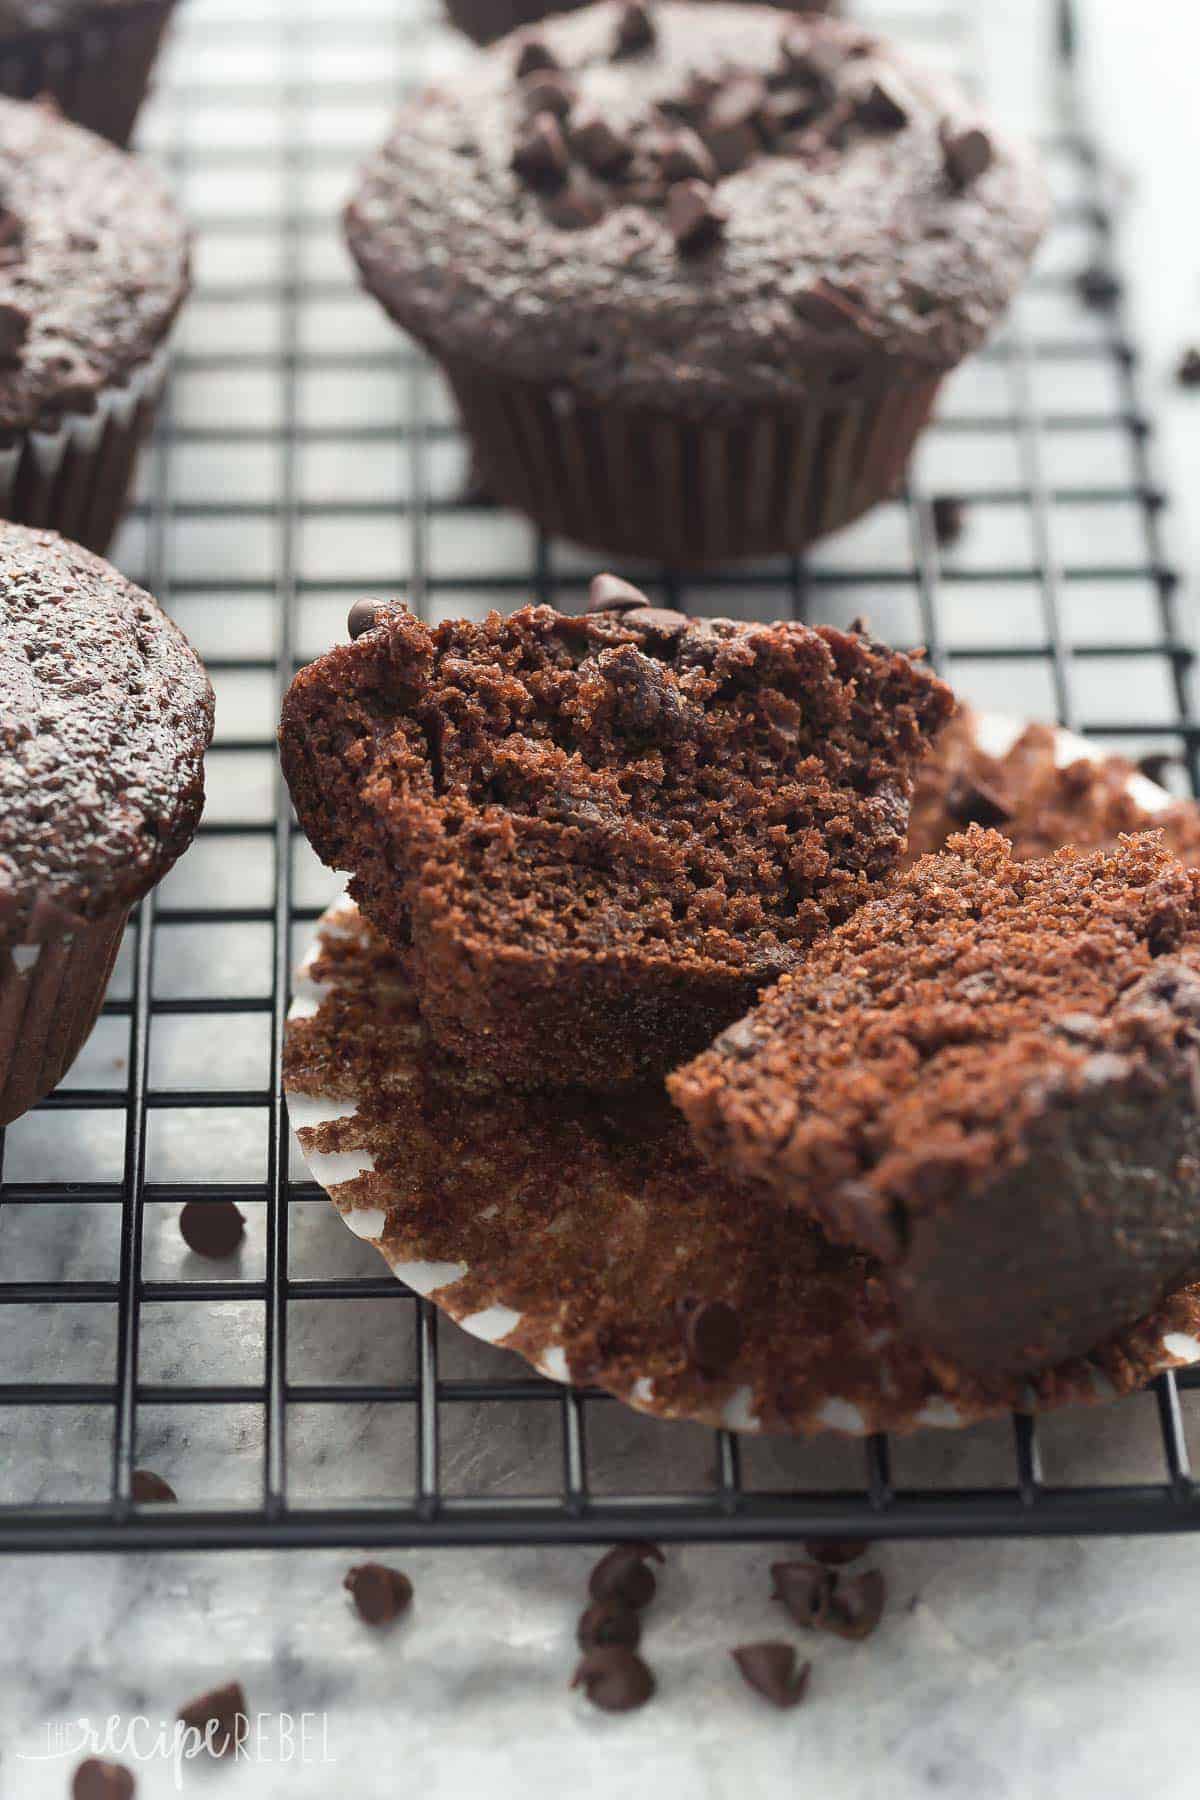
x=696, y=204
x=105, y=715
x=93, y=266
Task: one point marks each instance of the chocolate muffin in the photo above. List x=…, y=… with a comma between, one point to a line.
x=93, y=269
x=105, y=715
x=694, y=273
x=1039, y=802
x=989, y=1080
x=604, y=835
x=92, y=57
x=487, y=20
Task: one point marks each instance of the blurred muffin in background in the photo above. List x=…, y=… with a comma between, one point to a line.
x=93, y=57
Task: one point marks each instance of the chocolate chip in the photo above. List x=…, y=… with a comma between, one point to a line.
x=145, y=1486
x=97, y=1780
x=693, y=216
x=581, y=202
x=740, y=1039
x=856, y=1604
x=364, y=615
x=658, y=622
x=712, y=1335
x=804, y=1588
x=380, y=1594
x=730, y=146
x=220, y=1717
x=1156, y=765
x=788, y=108
x=882, y=105
x=970, y=800
x=1187, y=370
x=534, y=53
x=608, y=593
x=635, y=29
x=605, y=1624
x=737, y=102
x=212, y=1227
x=835, y=1552
x=14, y=329
x=807, y=62
x=1098, y=287
x=540, y=154
x=949, y=518
x=548, y=91
x=967, y=151
x=614, y=1679
x=622, y=1575
x=684, y=156
x=601, y=148
x=770, y=1669
x=826, y=306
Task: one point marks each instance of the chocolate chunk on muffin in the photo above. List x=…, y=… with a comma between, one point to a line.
x=105, y=715
x=92, y=57
x=93, y=269
x=487, y=20
x=605, y=834
x=1039, y=801
x=989, y=1080
x=695, y=299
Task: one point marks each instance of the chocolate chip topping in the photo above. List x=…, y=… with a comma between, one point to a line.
x=660, y=623
x=804, y=1588
x=968, y=151
x=608, y=593
x=614, y=1679
x=770, y=1669
x=212, y=1228
x=380, y=1594
x=220, y=1717
x=541, y=154
x=606, y=1623
x=973, y=800
x=635, y=29
x=98, y=1780
x=712, y=1335
x=105, y=714
x=827, y=307
x=363, y=616
x=534, y=53
x=146, y=1486
x=830, y=187
x=549, y=90
x=622, y=1576
x=856, y=1604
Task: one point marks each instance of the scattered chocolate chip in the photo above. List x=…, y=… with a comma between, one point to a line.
x=379, y=1593
x=608, y=593
x=540, y=153
x=658, y=622
x=614, y=1679
x=1098, y=287
x=1187, y=371
x=220, y=1717
x=856, y=1604
x=364, y=615
x=97, y=1780
x=949, y=518
x=967, y=151
x=623, y=1577
x=212, y=1227
x=14, y=329
x=145, y=1486
x=601, y=148
x=712, y=1335
x=835, y=1552
x=605, y=1624
x=826, y=306
x=548, y=91
x=693, y=216
x=684, y=156
x=804, y=1588
x=882, y=105
x=534, y=53
x=770, y=1669
x=635, y=29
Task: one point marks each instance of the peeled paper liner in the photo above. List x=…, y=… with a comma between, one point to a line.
x=577, y=1231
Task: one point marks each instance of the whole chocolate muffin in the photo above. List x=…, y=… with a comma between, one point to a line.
x=695, y=273
x=93, y=269
x=487, y=20
x=105, y=715
x=92, y=57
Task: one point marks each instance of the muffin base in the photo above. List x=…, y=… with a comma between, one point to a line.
x=98, y=71
x=75, y=479
x=486, y=20
x=633, y=482
x=50, y=996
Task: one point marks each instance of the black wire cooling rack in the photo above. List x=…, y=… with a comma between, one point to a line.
x=308, y=456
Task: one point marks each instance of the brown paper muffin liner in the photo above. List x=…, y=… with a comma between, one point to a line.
x=98, y=71
x=75, y=479
x=638, y=483
x=486, y=20
x=50, y=995
x=583, y=1232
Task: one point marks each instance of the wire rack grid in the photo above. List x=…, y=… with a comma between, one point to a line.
x=309, y=455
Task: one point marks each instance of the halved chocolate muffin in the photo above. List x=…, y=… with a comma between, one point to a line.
x=604, y=835
x=990, y=1080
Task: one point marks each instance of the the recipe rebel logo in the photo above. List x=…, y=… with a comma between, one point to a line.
x=268, y=1737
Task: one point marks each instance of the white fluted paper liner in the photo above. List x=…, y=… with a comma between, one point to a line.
x=496, y=1322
